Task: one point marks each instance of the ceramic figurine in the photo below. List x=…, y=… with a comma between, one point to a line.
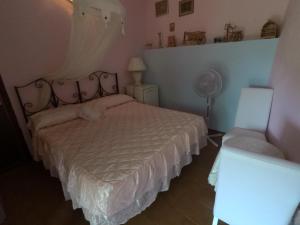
x=160, y=44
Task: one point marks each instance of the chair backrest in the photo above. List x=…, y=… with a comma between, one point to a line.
x=254, y=109
x=256, y=189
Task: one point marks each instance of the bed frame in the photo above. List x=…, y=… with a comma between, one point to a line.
x=104, y=84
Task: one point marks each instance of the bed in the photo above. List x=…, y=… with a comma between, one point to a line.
x=114, y=166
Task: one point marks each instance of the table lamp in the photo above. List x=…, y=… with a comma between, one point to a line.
x=136, y=67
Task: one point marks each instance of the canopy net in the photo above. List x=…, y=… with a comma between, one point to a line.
x=96, y=24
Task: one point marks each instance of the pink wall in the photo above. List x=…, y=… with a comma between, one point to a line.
x=211, y=15
x=33, y=41
x=132, y=44
x=284, y=126
x=35, y=33
x=34, y=36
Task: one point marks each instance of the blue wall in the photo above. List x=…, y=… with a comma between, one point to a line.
x=241, y=64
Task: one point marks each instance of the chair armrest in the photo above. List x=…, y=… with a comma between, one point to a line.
x=266, y=188
x=245, y=144
x=235, y=154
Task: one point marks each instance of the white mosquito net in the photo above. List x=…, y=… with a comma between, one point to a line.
x=96, y=24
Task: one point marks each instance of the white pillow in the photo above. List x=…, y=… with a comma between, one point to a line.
x=92, y=110
x=53, y=117
x=115, y=100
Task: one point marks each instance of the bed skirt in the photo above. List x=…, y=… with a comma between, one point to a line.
x=139, y=204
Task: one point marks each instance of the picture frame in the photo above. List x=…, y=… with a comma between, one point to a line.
x=186, y=7
x=161, y=8
x=172, y=27
x=194, y=38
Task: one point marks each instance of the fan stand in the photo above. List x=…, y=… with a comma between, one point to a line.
x=209, y=137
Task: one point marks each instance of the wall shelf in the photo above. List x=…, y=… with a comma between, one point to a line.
x=213, y=44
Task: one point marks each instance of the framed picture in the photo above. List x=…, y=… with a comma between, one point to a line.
x=194, y=38
x=161, y=8
x=186, y=7
x=172, y=27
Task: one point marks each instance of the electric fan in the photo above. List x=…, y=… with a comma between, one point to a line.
x=208, y=85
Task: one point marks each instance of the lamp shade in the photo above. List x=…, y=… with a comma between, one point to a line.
x=136, y=64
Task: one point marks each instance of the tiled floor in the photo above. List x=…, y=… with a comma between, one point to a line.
x=32, y=197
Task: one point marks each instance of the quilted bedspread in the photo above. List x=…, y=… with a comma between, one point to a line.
x=113, y=168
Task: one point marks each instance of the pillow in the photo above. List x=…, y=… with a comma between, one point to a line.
x=91, y=111
x=115, y=100
x=94, y=110
x=53, y=117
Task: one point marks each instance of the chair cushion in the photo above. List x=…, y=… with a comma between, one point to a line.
x=245, y=143
x=253, y=145
x=241, y=132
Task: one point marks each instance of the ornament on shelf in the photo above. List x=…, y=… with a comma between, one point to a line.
x=172, y=41
x=218, y=39
x=232, y=34
x=160, y=42
x=270, y=30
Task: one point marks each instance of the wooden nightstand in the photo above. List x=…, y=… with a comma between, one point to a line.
x=146, y=93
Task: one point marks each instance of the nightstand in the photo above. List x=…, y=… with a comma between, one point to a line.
x=145, y=93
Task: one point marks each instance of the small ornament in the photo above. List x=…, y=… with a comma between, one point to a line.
x=171, y=41
x=218, y=39
x=232, y=34
x=160, y=43
x=270, y=30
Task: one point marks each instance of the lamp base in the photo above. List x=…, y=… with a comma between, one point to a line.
x=137, y=77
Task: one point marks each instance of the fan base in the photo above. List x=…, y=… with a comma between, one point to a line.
x=214, y=143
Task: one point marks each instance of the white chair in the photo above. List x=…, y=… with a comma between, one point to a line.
x=247, y=144
x=251, y=120
x=255, y=189
x=252, y=114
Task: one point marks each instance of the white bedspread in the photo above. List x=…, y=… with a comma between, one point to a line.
x=114, y=168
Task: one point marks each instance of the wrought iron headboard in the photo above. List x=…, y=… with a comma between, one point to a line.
x=104, y=84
